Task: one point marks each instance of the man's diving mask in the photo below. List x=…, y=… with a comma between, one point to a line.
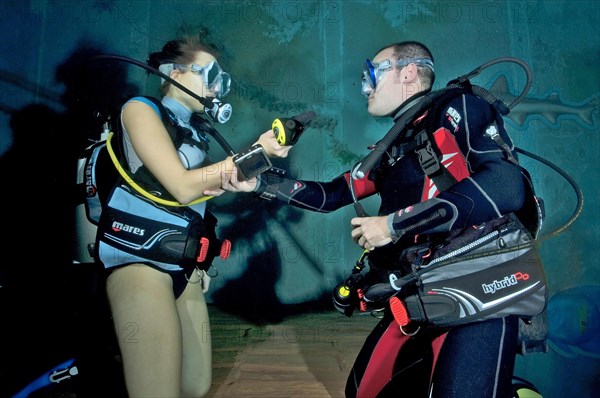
x=215, y=79
x=373, y=71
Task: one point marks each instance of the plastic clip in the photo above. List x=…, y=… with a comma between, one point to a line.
x=361, y=300
x=203, y=249
x=428, y=159
x=401, y=315
x=225, y=249
x=64, y=374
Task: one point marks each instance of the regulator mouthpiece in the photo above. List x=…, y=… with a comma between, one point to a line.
x=218, y=111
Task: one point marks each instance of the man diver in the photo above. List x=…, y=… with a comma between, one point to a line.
x=468, y=361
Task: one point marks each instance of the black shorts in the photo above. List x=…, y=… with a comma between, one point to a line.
x=180, y=278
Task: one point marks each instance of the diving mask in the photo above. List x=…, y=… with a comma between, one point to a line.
x=373, y=71
x=215, y=79
x=372, y=74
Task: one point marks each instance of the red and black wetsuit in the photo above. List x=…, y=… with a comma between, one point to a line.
x=477, y=359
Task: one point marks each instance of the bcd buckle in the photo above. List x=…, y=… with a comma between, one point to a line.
x=428, y=159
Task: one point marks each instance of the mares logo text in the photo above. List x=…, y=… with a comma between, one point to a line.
x=119, y=226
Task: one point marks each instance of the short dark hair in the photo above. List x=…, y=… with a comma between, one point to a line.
x=414, y=49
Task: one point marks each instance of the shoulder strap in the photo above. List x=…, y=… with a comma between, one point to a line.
x=180, y=135
x=143, y=176
x=429, y=156
x=169, y=121
x=424, y=145
x=532, y=213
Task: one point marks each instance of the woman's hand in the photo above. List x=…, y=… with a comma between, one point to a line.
x=229, y=182
x=271, y=146
x=215, y=192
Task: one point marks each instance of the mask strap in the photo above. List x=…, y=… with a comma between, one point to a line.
x=166, y=69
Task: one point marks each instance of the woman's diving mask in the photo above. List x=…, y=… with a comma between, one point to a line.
x=215, y=79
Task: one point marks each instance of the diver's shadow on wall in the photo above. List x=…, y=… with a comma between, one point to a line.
x=53, y=303
x=252, y=295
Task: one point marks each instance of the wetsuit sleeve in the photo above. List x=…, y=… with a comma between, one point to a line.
x=494, y=185
x=316, y=196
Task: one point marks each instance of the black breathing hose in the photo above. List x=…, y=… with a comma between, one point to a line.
x=425, y=102
x=363, y=167
x=570, y=180
x=368, y=162
x=485, y=93
x=206, y=102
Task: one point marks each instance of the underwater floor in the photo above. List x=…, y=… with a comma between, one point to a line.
x=294, y=352
x=307, y=355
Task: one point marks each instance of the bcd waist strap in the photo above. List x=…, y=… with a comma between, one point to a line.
x=496, y=275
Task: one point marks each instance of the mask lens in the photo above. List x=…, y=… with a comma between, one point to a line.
x=369, y=79
x=225, y=85
x=221, y=85
x=215, y=79
x=373, y=73
x=369, y=73
x=212, y=73
x=366, y=86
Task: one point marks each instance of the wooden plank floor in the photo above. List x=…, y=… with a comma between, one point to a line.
x=307, y=355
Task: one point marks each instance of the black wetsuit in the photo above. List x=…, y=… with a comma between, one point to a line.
x=476, y=360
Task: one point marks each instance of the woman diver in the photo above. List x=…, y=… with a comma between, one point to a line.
x=158, y=305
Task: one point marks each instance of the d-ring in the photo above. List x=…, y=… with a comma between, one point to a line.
x=200, y=274
x=409, y=334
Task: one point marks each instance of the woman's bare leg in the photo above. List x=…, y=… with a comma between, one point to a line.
x=195, y=327
x=148, y=329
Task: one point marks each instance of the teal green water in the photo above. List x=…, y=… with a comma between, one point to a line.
x=287, y=57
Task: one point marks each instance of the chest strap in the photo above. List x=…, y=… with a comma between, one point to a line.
x=427, y=154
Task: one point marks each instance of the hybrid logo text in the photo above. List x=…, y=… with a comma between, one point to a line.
x=504, y=283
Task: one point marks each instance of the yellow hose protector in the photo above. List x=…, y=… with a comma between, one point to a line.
x=528, y=393
x=141, y=190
